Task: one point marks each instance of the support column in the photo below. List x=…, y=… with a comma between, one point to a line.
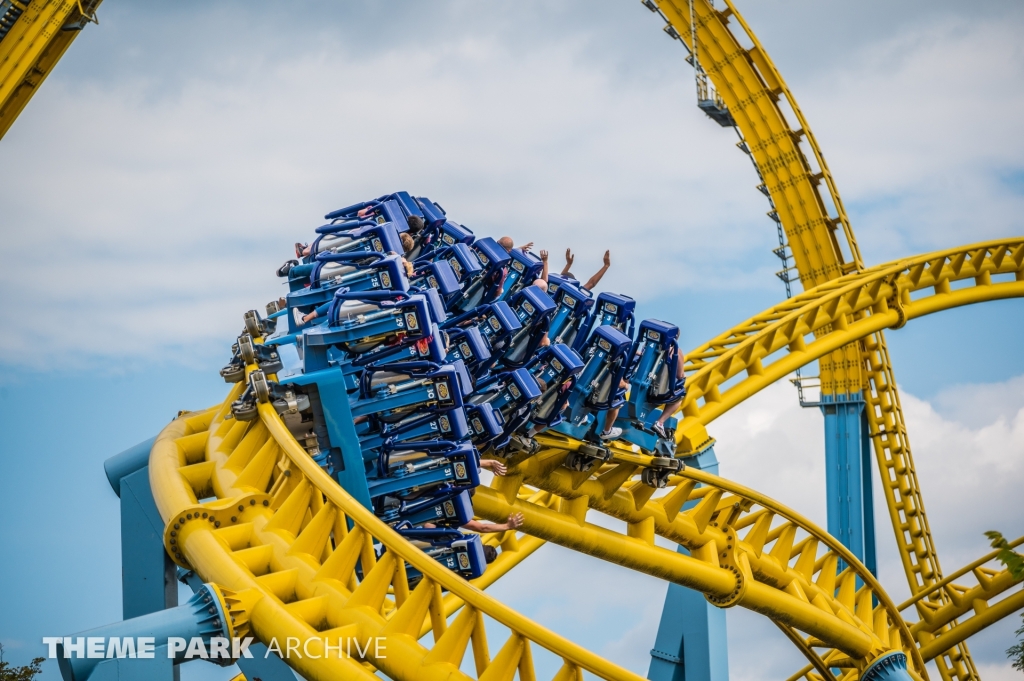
x=851, y=517
x=692, y=644
x=148, y=575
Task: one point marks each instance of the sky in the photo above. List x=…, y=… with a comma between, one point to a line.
x=166, y=167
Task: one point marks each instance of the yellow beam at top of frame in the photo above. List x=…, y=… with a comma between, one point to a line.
x=33, y=37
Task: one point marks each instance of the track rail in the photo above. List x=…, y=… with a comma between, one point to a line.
x=756, y=94
x=830, y=316
x=740, y=362
x=247, y=508
x=267, y=523
x=745, y=550
x=34, y=45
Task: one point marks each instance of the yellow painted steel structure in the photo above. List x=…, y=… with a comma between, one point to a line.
x=248, y=509
x=33, y=46
x=824, y=248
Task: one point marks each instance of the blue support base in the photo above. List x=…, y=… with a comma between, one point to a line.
x=148, y=581
x=264, y=665
x=851, y=517
x=692, y=643
x=130, y=669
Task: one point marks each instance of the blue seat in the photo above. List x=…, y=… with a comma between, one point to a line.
x=522, y=271
x=413, y=472
x=382, y=238
x=504, y=401
x=556, y=367
x=460, y=553
x=534, y=309
x=610, y=309
x=358, y=323
x=598, y=388
x=419, y=427
x=483, y=285
x=450, y=511
x=556, y=281
x=359, y=272
x=401, y=200
x=433, y=214
x=432, y=241
x=496, y=324
x=572, y=316
x=396, y=389
x=439, y=276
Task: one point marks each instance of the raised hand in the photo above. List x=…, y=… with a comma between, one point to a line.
x=607, y=258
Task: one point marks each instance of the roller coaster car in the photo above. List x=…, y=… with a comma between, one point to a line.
x=402, y=204
x=534, y=309
x=393, y=391
x=557, y=367
x=366, y=236
x=499, y=406
x=599, y=385
x=656, y=360
x=610, y=309
x=460, y=553
x=572, y=314
x=556, y=281
x=418, y=470
x=446, y=425
x=438, y=276
x=432, y=242
x=468, y=345
x=483, y=285
x=358, y=323
x=495, y=323
x=523, y=270
x=452, y=510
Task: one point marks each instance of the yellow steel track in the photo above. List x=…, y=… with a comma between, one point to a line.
x=289, y=540
x=824, y=248
x=34, y=45
x=251, y=511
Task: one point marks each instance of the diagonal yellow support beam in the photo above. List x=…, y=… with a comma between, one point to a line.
x=41, y=33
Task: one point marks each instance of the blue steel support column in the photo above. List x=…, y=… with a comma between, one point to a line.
x=148, y=575
x=848, y=475
x=691, y=644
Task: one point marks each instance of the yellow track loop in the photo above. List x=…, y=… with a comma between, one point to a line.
x=772, y=344
x=251, y=511
x=745, y=550
x=32, y=48
x=755, y=92
x=958, y=601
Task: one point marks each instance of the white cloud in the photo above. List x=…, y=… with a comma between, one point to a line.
x=920, y=131
x=171, y=213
